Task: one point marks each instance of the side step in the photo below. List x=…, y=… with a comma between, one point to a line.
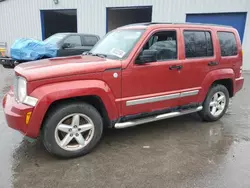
x=155, y=118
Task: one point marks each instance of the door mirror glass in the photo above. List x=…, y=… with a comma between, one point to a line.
x=147, y=56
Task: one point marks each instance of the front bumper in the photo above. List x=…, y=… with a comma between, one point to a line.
x=15, y=114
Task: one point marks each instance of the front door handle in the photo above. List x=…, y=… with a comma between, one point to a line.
x=175, y=67
x=213, y=63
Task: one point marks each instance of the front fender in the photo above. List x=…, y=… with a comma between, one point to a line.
x=213, y=76
x=47, y=94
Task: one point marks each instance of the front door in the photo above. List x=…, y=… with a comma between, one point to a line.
x=153, y=86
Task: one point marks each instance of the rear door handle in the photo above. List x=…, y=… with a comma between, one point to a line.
x=213, y=63
x=175, y=67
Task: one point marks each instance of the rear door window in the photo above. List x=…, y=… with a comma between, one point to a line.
x=198, y=44
x=89, y=40
x=228, y=45
x=73, y=41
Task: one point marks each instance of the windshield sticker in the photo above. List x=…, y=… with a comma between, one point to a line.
x=117, y=52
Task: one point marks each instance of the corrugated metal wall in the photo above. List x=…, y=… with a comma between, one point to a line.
x=21, y=18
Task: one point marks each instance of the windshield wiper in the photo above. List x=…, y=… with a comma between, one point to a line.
x=92, y=54
x=100, y=55
x=86, y=53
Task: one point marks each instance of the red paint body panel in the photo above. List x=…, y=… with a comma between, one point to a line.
x=211, y=77
x=238, y=84
x=15, y=114
x=64, y=66
x=47, y=94
x=115, y=82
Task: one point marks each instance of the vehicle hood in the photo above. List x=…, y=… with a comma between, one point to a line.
x=65, y=66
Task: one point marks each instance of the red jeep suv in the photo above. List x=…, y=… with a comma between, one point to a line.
x=136, y=74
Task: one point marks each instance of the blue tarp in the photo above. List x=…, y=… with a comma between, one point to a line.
x=30, y=49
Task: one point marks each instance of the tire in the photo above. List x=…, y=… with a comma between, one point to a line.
x=66, y=115
x=208, y=105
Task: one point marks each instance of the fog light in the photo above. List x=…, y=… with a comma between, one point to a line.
x=28, y=115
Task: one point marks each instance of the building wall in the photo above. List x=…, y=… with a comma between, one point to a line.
x=21, y=18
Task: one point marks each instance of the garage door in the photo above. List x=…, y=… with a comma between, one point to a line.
x=236, y=20
x=119, y=16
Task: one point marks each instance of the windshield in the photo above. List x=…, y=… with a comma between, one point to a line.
x=117, y=44
x=55, y=39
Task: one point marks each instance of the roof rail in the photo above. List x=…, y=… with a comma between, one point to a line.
x=186, y=23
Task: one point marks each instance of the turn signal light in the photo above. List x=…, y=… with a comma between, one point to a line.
x=28, y=115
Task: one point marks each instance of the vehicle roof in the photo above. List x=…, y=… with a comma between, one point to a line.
x=70, y=33
x=167, y=24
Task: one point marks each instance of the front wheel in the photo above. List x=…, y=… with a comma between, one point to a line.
x=215, y=104
x=72, y=130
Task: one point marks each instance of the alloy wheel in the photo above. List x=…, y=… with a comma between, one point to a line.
x=74, y=132
x=217, y=104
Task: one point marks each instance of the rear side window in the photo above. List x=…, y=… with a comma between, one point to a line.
x=74, y=41
x=89, y=40
x=228, y=44
x=198, y=44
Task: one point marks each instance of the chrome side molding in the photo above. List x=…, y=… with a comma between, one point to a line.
x=152, y=99
x=155, y=118
x=162, y=98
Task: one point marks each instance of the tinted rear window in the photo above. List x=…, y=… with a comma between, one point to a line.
x=198, y=44
x=90, y=40
x=228, y=44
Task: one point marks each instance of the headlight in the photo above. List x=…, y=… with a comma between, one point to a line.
x=20, y=91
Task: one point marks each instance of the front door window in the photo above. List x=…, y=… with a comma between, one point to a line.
x=165, y=43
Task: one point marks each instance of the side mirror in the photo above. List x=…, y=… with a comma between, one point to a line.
x=147, y=56
x=66, y=45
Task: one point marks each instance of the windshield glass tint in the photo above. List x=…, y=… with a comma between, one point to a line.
x=117, y=44
x=55, y=39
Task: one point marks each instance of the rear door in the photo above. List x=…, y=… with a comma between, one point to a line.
x=198, y=59
x=71, y=45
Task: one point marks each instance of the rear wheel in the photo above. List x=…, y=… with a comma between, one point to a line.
x=72, y=130
x=215, y=104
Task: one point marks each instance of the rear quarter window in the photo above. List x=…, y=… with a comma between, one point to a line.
x=228, y=45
